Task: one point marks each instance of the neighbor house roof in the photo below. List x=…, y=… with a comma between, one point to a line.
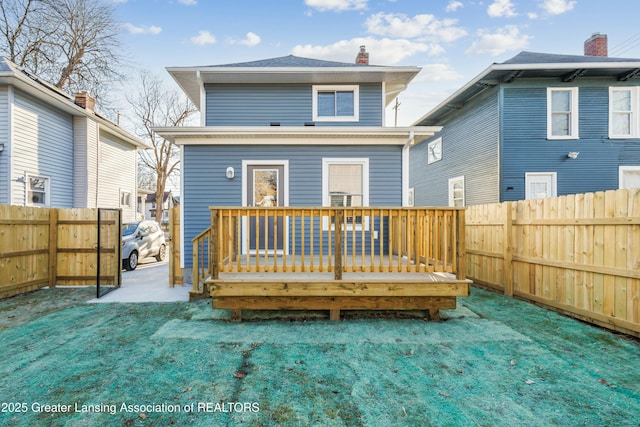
x=12, y=74
x=533, y=65
x=292, y=69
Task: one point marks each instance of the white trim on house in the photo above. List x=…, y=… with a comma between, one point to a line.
x=452, y=191
x=8, y=149
x=548, y=178
x=182, y=221
x=336, y=88
x=622, y=171
x=47, y=189
x=244, y=186
x=296, y=135
x=573, y=113
x=634, y=113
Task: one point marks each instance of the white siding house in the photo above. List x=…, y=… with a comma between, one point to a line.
x=56, y=151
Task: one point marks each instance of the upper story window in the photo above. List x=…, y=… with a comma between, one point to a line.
x=623, y=112
x=336, y=103
x=562, y=113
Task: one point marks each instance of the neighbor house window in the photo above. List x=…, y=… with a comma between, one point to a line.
x=562, y=113
x=629, y=177
x=456, y=192
x=539, y=185
x=345, y=183
x=623, y=112
x=125, y=198
x=37, y=191
x=336, y=103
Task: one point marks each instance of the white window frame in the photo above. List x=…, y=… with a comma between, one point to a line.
x=530, y=176
x=431, y=153
x=47, y=190
x=326, y=199
x=635, y=108
x=621, y=173
x=452, y=182
x=574, y=122
x=336, y=88
x=129, y=198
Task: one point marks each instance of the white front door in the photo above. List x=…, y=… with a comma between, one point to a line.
x=540, y=185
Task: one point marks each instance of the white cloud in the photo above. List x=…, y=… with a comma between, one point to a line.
x=251, y=39
x=188, y=2
x=381, y=51
x=454, y=5
x=501, y=9
x=336, y=5
x=437, y=73
x=203, y=38
x=503, y=40
x=557, y=7
x=142, y=29
x=403, y=26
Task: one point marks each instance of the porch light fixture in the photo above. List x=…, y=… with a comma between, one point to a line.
x=573, y=154
x=230, y=173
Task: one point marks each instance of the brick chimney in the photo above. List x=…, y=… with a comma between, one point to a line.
x=363, y=56
x=86, y=101
x=596, y=45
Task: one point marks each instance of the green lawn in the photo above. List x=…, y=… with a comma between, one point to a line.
x=494, y=361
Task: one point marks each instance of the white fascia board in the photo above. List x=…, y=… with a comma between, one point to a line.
x=276, y=135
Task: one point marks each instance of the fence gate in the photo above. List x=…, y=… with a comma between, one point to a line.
x=109, y=251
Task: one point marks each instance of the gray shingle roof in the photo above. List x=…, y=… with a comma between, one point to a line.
x=550, y=58
x=291, y=61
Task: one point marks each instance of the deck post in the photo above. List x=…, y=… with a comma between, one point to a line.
x=461, y=257
x=508, y=250
x=338, y=218
x=213, y=244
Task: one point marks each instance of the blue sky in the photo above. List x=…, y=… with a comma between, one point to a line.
x=452, y=40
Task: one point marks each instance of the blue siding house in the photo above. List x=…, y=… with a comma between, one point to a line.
x=291, y=131
x=537, y=125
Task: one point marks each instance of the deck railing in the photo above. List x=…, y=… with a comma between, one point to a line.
x=336, y=240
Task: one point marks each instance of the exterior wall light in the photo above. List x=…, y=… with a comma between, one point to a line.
x=573, y=154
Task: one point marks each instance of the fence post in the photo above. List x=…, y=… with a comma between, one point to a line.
x=461, y=250
x=338, y=217
x=508, y=250
x=53, y=247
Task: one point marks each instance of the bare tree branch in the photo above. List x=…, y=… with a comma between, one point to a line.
x=153, y=106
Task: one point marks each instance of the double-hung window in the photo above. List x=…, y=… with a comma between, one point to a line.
x=562, y=113
x=345, y=183
x=623, y=112
x=336, y=103
x=37, y=191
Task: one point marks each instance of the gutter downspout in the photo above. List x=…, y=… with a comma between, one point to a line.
x=405, y=168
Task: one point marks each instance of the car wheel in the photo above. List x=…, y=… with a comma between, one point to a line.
x=161, y=253
x=132, y=262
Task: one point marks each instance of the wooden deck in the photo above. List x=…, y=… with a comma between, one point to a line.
x=400, y=259
x=320, y=291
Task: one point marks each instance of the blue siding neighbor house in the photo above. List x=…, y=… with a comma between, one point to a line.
x=291, y=131
x=537, y=125
x=55, y=151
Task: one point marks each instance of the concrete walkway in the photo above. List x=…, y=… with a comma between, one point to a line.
x=148, y=283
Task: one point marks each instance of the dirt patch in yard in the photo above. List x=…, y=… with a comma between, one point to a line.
x=493, y=361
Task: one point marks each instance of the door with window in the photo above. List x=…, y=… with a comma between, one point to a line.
x=265, y=188
x=539, y=185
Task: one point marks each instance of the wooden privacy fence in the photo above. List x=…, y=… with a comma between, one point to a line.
x=579, y=254
x=42, y=247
